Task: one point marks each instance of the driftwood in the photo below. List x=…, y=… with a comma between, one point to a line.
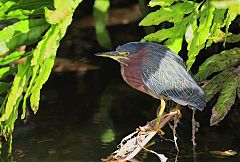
x=132, y=144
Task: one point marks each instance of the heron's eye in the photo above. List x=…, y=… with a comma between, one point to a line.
x=124, y=53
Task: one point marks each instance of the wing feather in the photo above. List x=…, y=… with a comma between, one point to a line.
x=165, y=74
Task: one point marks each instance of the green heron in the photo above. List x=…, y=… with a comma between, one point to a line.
x=156, y=70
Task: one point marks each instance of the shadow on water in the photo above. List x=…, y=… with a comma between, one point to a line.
x=83, y=116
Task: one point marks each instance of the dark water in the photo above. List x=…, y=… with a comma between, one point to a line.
x=83, y=116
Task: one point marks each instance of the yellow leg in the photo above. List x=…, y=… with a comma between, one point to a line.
x=160, y=112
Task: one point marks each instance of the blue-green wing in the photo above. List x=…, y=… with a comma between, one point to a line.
x=165, y=74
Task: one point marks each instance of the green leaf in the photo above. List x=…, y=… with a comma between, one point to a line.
x=45, y=52
x=232, y=38
x=175, y=34
x=225, y=100
x=4, y=7
x=230, y=4
x=14, y=115
x=9, y=124
x=44, y=74
x=4, y=87
x=19, y=83
x=6, y=71
x=216, y=33
x=162, y=3
x=31, y=5
x=218, y=62
x=64, y=9
x=21, y=9
x=45, y=48
x=100, y=13
x=175, y=41
x=201, y=34
x=12, y=57
x=169, y=14
x=216, y=84
x=191, y=27
x=21, y=33
x=161, y=35
x=231, y=15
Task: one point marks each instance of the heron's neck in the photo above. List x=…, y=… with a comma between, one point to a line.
x=134, y=59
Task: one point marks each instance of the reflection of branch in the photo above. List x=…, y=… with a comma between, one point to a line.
x=174, y=127
x=132, y=144
x=161, y=156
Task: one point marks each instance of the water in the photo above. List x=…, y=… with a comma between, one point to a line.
x=84, y=115
x=71, y=126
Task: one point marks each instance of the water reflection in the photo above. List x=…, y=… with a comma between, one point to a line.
x=75, y=125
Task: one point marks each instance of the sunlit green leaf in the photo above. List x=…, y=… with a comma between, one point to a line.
x=189, y=34
x=225, y=100
x=169, y=14
x=12, y=57
x=31, y=5
x=216, y=33
x=227, y=4
x=45, y=48
x=14, y=115
x=10, y=123
x=175, y=41
x=201, y=34
x=4, y=7
x=6, y=71
x=161, y=35
x=44, y=73
x=174, y=35
x=162, y=3
x=100, y=13
x=21, y=33
x=19, y=83
x=22, y=9
x=45, y=52
x=218, y=62
x=231, y=15
x=64, y=9
x=35, y=71
x=191, y=28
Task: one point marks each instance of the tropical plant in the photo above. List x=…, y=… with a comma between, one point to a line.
x=42, y=24
x=226, y=67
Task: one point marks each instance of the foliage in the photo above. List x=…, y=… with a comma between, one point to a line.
x=226, y=81
x=34, y=18
x=201, y=24
x=100, y=13
x=212, y=18
x=22, y=10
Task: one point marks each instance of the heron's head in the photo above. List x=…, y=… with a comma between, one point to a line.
x=125, y=51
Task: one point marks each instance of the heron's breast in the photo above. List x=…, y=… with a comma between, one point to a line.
x=132, y=74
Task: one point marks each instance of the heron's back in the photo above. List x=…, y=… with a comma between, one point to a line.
x=164, y=73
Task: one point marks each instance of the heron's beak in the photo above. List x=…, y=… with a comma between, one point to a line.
x=112, y=54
